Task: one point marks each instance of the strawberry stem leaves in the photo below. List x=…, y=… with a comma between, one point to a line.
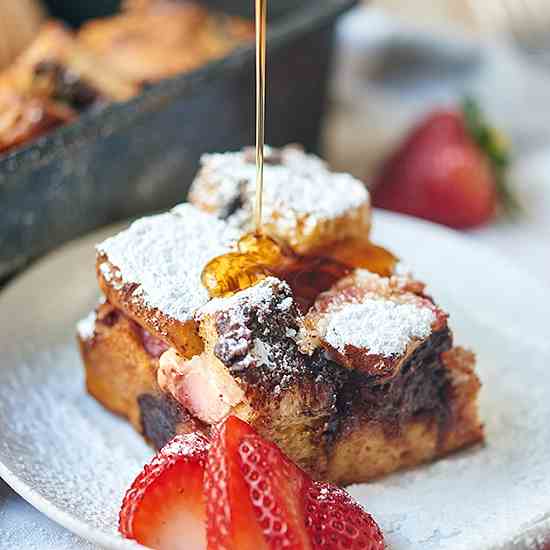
x=497, y=148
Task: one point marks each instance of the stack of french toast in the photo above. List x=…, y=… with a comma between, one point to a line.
x=355, y=382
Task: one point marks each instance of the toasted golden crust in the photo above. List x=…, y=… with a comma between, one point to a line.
x=23, y=115
x=56, y=44
x=366, y=384
x=61, y=73
x=152, y=271
x=23, y=119
x=359, y=287
x=118, y=368
x=183, y=336
x=121, y=374
x=52, y=42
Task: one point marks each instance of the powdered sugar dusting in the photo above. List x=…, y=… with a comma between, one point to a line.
x=57, y=426
x=86, y=327
x=299, y=186
x=165, y=255
x=257, y=331
x=258, y=296
x=262, y=300
x=186, y=444
x=383, y=327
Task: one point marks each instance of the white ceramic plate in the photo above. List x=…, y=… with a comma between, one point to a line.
x=73, y=460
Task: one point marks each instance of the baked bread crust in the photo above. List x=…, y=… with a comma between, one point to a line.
x=182, y=240
x=338, y=423
x=62, y=72
x=309, y=419
x=156, y=40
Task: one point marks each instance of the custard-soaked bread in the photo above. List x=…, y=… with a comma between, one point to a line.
x=121, y=360
x=372, y=323
x=50, y=83
x=367, y=449
x=304, y=204
x=57, y=67
x=410, y=396
x=339, y=423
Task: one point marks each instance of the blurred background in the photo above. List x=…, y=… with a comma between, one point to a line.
x=399, y=61
x=103, y=108
x=413, y=56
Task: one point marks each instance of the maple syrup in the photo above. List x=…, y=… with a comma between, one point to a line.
x=258, y=255
x=261, y=30
x=255, y=258
x=314, y=273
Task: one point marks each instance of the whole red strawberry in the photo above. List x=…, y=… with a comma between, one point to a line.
x=450, y=169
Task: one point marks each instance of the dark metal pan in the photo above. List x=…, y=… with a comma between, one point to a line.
x=141, y=155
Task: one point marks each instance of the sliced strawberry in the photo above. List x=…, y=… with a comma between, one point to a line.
x=275, y=487
x=334, y=521
x=240, y=493
x=253, y=493
x=230, y=516
x=164, y=508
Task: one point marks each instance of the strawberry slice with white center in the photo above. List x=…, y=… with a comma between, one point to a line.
x=164, y=508
x=239, y=493
x=257, y=499
x=274, y=487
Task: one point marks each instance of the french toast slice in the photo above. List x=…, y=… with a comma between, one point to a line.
x=363, y=383
x=305, y=205
x=121, y=360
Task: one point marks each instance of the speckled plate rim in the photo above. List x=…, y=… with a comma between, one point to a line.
x=531, y=532
x=64, y=519
x=34, y=498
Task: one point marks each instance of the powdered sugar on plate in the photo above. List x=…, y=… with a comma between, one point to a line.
x=165, y=255
x=384, y=327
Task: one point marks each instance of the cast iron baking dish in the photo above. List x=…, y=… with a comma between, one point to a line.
x=141, y=155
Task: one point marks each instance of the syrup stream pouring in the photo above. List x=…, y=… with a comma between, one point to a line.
x=261, y=29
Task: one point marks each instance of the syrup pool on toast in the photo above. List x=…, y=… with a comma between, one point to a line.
x=259, y=256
